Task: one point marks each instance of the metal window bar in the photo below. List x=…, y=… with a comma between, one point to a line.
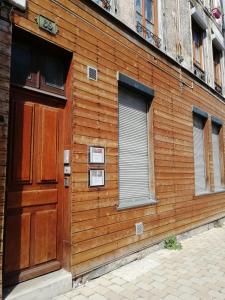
x=156, y=41
x=104, y=3
x=199, y=73
x=218, y=88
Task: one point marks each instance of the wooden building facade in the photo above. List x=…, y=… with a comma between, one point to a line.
x=67, y=92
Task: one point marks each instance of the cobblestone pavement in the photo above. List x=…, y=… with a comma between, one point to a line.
x=195, y=272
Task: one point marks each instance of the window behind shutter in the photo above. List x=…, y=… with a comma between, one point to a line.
x=199, y=155
x=216, y=157
x=134, y=162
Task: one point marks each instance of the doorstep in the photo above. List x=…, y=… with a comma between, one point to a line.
x=44, y=287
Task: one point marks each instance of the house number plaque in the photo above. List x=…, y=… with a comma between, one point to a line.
x=47, y=24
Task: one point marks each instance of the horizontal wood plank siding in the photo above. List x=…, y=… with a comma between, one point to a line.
x=101, y=233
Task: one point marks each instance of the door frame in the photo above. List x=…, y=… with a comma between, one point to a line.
x=64, y=221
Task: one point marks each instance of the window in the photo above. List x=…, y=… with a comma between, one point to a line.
x=134, y=160
x=52, y=72
x=217, y=68
x=197, y=35
x=21, y=64
x=217, y=149
x=39, y=65
x=146, y=20
x=199, y=154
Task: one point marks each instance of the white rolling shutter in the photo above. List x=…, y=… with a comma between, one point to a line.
x=199, y=155
x=216, y=157
x=134, y=162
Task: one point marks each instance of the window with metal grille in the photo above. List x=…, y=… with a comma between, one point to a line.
x=146, y=20
x=199, y=155
x=134, y=160
x=145, y=13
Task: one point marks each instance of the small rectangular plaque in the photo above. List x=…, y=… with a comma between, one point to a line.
x=96, y=178
x=47, y=24
x=96, y=155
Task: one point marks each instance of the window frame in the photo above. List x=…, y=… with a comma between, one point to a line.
x=196, y=112
x=40, y=50
x=144, y=21
x=216, y=122
x=217, y=67
x=197, y=29
x=134, y=86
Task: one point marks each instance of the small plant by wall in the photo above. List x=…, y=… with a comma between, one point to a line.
x=171, y=243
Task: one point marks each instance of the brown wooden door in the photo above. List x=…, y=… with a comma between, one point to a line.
x=34, y=188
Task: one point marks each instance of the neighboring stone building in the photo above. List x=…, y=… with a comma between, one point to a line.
x=5, y=52
x=172, y=22
x=116, y=137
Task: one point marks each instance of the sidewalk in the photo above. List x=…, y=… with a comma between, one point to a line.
x=195, y=272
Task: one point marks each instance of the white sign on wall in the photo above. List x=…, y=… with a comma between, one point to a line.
x=22, y=4
x=97, y=155
x=96, y=178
